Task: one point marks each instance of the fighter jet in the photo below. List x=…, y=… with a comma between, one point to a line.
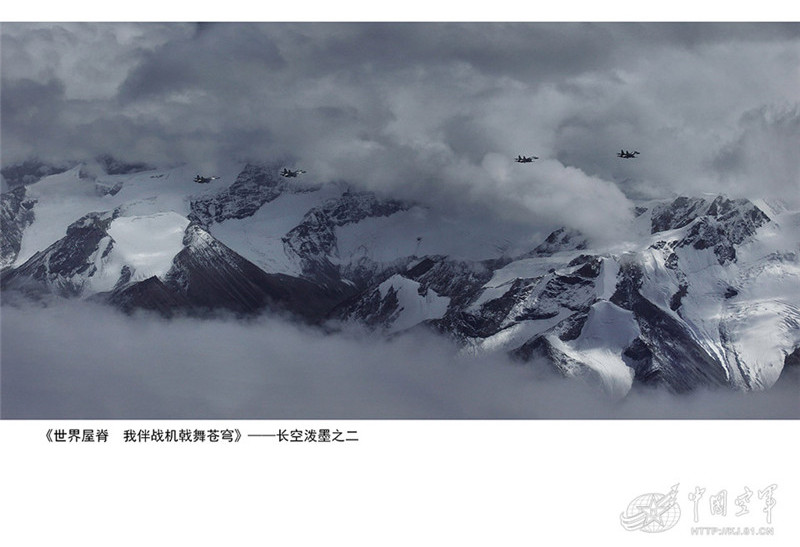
x=290, y=173
x=526, y=159
x=627, y=155
x=204, y=180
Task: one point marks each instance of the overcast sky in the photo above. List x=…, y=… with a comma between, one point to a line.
x=433, y=112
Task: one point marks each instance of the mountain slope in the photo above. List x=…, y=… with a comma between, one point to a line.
x=705, y=293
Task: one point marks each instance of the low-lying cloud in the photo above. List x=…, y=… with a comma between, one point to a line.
x=75, y=360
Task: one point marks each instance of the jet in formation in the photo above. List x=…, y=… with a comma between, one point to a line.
x=626, y=155
x=290, y=173
x=204, y=180
x=526, y=159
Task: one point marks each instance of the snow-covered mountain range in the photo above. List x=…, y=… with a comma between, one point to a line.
x=705, y=292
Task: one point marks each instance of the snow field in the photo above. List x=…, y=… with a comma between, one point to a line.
x=413, y=308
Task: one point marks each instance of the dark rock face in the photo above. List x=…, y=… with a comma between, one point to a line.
x=16, y=214
x=457, y=280
x=108, y=189
x=542, y=297
x=730, y=292
x=677, y=214
x=665, y=353
x=793, y=359
x=30, y=172
x=673, y=358
x=790, y=375
x=720, y=224
x=675, y=301
x=707, y=234
x=590, y=268
x=629, y=281
x=255, y=186
x=563, y=239
x=370, y=309
x=151, y=294
x=65, y=265
x=489, y=318
x=208, y=275
x=571, y=327
x=313, y=241
x=740, y=218
x=541, y=348
x=567, y=291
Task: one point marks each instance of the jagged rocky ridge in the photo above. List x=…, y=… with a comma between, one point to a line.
x=313, y=242
x=709, y=298
x=255, y=186
x=16, y=214
x=205, y=275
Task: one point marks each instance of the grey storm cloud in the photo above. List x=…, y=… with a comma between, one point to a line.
x=422, y=110
x=30, y=108
x=78, y=360
x=219, y=56
x=764, y=149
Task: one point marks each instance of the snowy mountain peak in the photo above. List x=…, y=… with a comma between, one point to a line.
x=704, y=294
x=16, y=214
x=739, y=217
x=563, y=239
x=254, y=186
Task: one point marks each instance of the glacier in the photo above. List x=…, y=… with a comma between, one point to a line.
x=704, y=293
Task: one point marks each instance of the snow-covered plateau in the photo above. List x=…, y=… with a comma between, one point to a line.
x=705, y=294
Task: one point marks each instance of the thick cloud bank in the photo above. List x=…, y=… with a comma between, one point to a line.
x=76, y=360
x=425, y=111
